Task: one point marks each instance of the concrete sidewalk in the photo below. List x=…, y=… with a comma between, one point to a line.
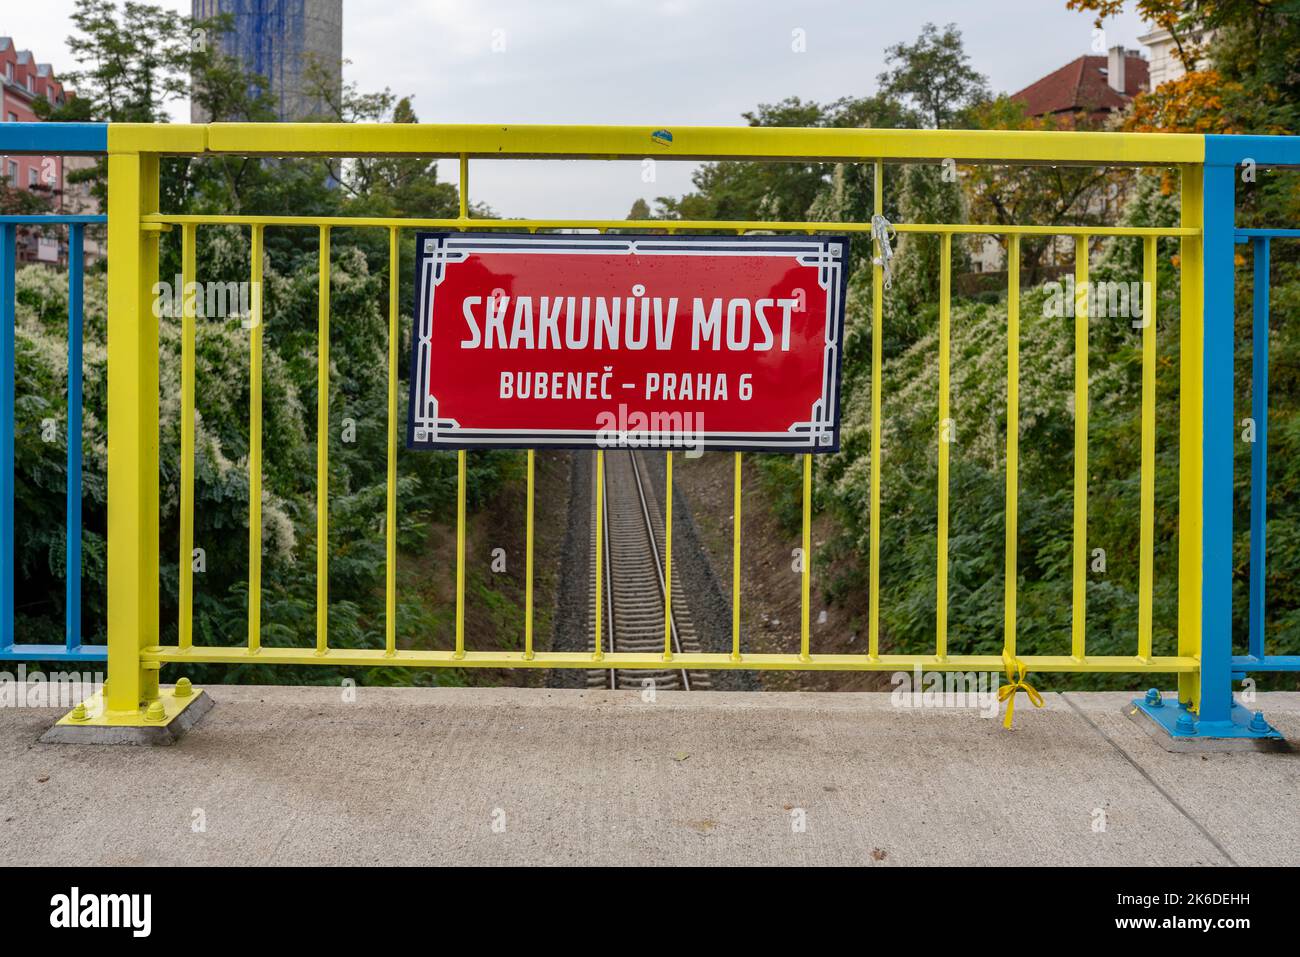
x=459, y=776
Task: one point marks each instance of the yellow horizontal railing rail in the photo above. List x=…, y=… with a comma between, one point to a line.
x=136, y=221
x=485, y=141
x=663, y=225
x=720, y=661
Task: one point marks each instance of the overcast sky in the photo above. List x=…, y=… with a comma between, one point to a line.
x=654, y=62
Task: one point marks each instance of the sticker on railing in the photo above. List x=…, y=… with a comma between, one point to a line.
x=627, y=341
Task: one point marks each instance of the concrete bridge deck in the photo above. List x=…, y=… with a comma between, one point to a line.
x=459, y=776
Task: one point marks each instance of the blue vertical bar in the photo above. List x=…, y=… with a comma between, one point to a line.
x=76, y=256
x=8, y=264
x=1259, y=451
x=1218, y=447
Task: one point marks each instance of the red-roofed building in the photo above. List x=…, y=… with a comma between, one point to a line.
x=1091, y=86
x=23, y=82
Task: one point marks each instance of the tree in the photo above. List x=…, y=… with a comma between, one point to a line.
x=1200, y=102
x=381, y=186
x=133, y=63
x=1181, y=18
x=1055, y=195
x=934, y=75
x=23, y=202
x=848, y=196
x=743, y=190
x=1250, y=74
x=926, y=197
x=791, y=191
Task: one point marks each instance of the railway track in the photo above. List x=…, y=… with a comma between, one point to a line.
x=633, y=585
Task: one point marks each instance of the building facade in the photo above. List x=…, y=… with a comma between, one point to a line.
x=1166, y=63
x=279, y=40
x=24, y=81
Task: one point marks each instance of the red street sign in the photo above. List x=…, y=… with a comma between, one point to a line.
x=627, y=341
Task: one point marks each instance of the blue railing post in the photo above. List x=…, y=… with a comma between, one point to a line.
x=8, y=264
x=1218, y=447
x=1259, y=451
x=72, y=562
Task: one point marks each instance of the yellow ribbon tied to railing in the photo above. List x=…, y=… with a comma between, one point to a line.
x=1016, y=670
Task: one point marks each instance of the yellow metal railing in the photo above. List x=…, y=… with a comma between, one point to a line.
x=135, y=222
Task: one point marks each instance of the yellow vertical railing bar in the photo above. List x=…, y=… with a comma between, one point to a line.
x=132, y=547
x=463, y=190
x=805, y=591
x=255, y=443
x=1078, y=621
x=945, y=440
x=877, y=322
x=460, y=553
x=598, y=649
x=668, y=557
x=1146, y=558
x=528, y=562
x=185, y=597
x=1191, y=427
x=323, y=445
x=735, y=562
x=1013, y=443
x=390, y=520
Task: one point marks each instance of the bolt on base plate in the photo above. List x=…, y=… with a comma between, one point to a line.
x=1176, y=728
x=163, y=721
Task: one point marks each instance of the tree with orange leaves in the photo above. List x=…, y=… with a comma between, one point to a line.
x=1239, y=61
x=1199, y=102
x=1182, y=18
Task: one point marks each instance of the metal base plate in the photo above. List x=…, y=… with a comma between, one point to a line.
x=99, y=727
x=1176, y=728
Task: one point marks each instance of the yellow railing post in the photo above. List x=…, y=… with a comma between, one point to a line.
x=946, y=438
x=132, y=430
x=805, y=582
x=668, y=557
x=390, y=512
x=185, y=560
x=598, y=653
x=1147, y=518
x=528, y=555
x=462, y=189
x=323, y=446
x=877, y=325
x=460, y=553
x=1079, y=612
x=735, y=560
x=1013, y=447
x=256, y=254
x=1190, y=431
